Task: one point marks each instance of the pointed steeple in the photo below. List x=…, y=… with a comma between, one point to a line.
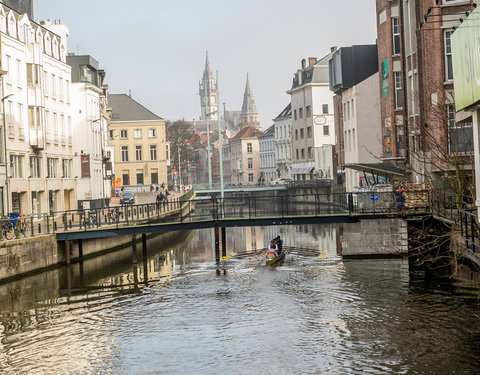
x=249, y=115
x=207, y=74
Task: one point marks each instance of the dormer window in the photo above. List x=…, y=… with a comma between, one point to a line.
x=55, y=48
x=3, y=24
x=48, y=45
x=12, y=26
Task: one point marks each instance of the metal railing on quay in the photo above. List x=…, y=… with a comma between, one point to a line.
x=470, y=230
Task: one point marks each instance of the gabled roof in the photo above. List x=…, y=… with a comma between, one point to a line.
x=124, y=108
x=269, y=132
x=247, y=132
x=287, y=112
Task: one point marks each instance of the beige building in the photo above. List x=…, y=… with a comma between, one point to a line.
x=138, y=138
x=245, y=156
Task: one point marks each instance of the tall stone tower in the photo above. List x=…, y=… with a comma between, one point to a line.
x=208, y=94
x=249, y=114
x=21, y=6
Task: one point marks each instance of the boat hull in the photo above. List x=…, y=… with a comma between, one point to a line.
x=272, y=261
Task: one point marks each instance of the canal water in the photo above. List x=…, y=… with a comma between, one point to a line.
x=180, y=313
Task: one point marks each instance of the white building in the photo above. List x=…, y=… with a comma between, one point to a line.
x=38, y=117
x=268, y=163
x=313, y=120
x=90, y=125
x=283, y=142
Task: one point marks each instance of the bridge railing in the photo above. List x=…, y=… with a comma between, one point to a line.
x=186, y=209
x=470, y=230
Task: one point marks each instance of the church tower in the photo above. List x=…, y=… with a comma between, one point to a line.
x=249, y=115
x=208, y=94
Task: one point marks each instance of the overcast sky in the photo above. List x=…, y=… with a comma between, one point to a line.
x=156, y=48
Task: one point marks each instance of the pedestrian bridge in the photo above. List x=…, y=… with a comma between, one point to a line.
x=189, y=214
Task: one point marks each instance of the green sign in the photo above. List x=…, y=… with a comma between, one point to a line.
x=385, y=79
x=465, y=43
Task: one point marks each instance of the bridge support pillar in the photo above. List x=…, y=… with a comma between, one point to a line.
x=68, y=253
x=217, y=245
x=144, y=257
x=80, y=250
x=224, y=243
x=134, y=249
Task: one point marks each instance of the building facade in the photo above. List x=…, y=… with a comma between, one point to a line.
x=268, y=163
x=354, y=79
x=313, y=119
x=245, y=157
x=283, y=142
x=38, y=115
x=138, y=138
x=90, y=126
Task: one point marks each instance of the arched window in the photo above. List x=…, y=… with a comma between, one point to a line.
x=39, y=38
x=12, y=26
x=48, y=45
x=55, y=48
x=62, y=53
x=3, y=21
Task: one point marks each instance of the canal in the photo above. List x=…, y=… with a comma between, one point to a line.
x=180, y=313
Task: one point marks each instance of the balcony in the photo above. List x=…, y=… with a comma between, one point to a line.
x=36, y=138
x=11, y=130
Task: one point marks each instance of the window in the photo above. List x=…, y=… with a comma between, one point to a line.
x=448, y=56
x=309, y=152
x=154, y=177
x=295, y=114
x=302, y=133
x=300, y=113
x=139, y=178
x=124, y=153
x=326, y=130
x=138, y=153
x=250, y=177
x=398, y=90
x=8, y=67
x=309, y=132
x=16, y=166
x=54, y=86
x=110, y=134
x=68, y=91
x=67, y=168
x=296, y=152
x=137, y=133
x=250, y=163
x=125, y=179
x=52, y=167
x=123, y=134
x=249, y=148
x=296, y=134
x=60, y=83
x=460, y=137
x=308, y=111
x=35, y=164
x=325, y=109
x=19, y=73
x=153, y=152
x=303, y=153
x=396, y=36
x=152, y=133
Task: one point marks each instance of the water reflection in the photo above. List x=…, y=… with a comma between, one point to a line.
x=317, y=312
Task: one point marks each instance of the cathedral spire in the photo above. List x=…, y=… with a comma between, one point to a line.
x=249, y=115
x=207, y=74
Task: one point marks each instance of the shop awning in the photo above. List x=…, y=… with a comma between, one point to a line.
x=382, y=169
x=302, y=170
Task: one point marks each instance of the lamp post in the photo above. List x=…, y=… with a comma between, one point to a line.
x=220, y=142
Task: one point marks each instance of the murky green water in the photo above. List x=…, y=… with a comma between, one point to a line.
x=314, y=314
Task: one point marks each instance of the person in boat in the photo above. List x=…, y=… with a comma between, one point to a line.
x=279, y=243
x=272, y=249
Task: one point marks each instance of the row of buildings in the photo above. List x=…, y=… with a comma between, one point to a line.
x=61, y=132
x=367, y=115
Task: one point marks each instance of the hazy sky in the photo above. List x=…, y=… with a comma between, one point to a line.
x=156, y=48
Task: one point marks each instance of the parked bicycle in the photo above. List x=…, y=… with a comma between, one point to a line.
x=8, y=231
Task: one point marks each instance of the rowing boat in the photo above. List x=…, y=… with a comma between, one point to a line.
x=270, y=259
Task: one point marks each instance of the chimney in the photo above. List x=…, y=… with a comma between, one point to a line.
x=312, y=61
x=21, y=6
x=304, y=64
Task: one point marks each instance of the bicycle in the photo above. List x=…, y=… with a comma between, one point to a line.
x=23, y=228
x=8, y=231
